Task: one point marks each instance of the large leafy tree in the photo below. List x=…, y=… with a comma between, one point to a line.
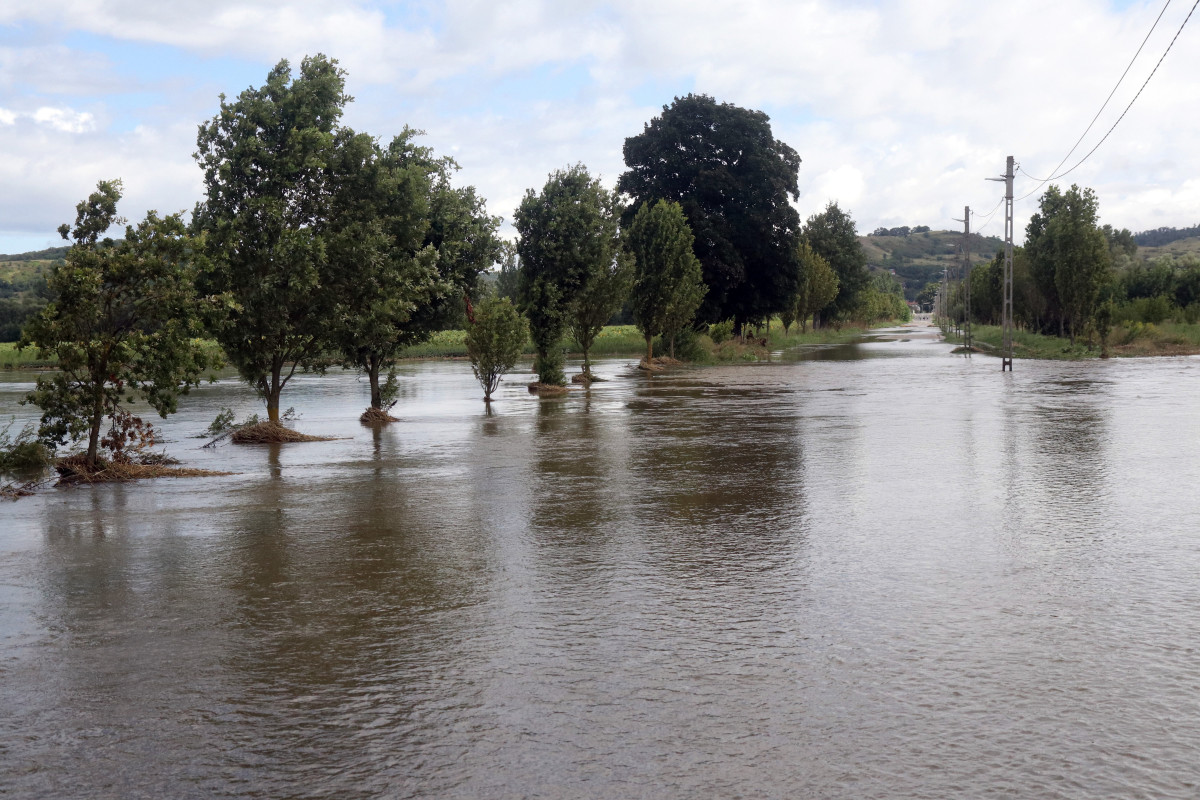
x=668, y=278
x=1041, y=257
x=381, y=272
x=734, y=180
x=833, y=236
x=266, y=158
x=568, y=233
x=123, y=322
x=1064, y=239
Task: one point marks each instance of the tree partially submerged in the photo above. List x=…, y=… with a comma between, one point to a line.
x=123, y=324
x=603, y=294
x=568, y=232
x=668, y=283
x=734, y=181
x=265, y=217
x=495, y=341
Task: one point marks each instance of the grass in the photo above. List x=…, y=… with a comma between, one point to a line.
x=1134, y=339
x=11, y=358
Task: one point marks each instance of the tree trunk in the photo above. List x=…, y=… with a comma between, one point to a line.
x=373, y=376
x=587, y=362
x=94, y=432
x=785, y=329
x=672, y=346
x=273, y=392
x=804, y=325
x=649, y=348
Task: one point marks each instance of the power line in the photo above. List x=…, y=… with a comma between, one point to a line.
x=1123, y=113
x=1106, y=100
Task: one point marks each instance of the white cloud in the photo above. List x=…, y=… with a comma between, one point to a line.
x=898, y=108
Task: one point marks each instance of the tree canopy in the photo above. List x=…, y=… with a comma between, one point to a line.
x=567, y=232
x=265, y=214
x=122, y=323
x=668, y=283
x=733, y=180
x=833, y=236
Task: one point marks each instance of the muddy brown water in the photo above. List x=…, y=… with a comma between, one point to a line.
x=868, y=571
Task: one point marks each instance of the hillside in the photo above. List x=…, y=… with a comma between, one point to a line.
x=1178, y=247
x=919, y=258
x=22, y=292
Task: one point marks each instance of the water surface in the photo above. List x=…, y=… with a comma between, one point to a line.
x=870, y=571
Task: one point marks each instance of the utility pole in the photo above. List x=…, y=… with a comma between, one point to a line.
x=1006, y=347
x=966, y=271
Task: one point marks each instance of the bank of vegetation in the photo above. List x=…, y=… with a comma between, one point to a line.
x=1080, y=289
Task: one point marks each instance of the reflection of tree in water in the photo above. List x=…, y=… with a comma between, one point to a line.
x=353, y=617
x=718, y=472
x=1067, y=457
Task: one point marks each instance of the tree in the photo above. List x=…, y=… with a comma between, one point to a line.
x=926, y=296
x=265, y=218
x=495, y=341
x=833, y=236
x=816, y=288
x=733, y=180
x=123, y=322
x=508, y=282
x=668, y=285
x=567, y=232
x=1067, y=242
x=602, y=296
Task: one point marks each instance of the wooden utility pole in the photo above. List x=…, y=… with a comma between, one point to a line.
x=1006, y=347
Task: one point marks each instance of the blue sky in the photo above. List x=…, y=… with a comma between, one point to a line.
x=899, y=110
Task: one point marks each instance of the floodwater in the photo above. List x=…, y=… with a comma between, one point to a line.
x=870, y=571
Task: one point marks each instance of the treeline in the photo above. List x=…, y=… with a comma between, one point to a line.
x=1163, y=236
x=313, y=239
x=903, y=230
x=1074, y=278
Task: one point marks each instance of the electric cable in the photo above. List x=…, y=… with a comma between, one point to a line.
x=1123, y=113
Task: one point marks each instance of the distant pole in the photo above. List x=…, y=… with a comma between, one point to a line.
x=1006, y=346
x=966, y=272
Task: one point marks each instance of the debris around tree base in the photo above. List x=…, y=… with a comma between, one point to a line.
x=547, y=389
x=376, y=416
x=74, y=469
x=582, y=378
x=272, y=433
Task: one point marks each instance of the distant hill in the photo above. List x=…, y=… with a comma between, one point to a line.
x=1164, y=236
x=1175, y=247
x=49, y=254
x=23, y=290
x=920, y=257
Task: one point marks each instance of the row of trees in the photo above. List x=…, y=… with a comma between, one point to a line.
x=1075, y=277
x=313, y=239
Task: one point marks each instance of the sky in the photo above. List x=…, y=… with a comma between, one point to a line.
x=899, y=109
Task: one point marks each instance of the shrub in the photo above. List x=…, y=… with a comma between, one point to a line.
x=23, y=451
x=720, y=331
x=495, y=341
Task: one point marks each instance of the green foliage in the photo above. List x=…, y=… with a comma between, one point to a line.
x=668, y=282
x=882, y=300
x=508, y=281
x=122, y=324
x=568, y=232
x=266, y=159
x=816, y=287
x=720, y=331
x=733, y=181
x=404, y=248
x=23, y=451
x=833, y=236
x=495, y=341
x=605, y=292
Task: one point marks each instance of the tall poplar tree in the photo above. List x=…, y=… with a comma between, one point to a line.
x=265, y=157
x=567, y=232
x=668, y=283
x=1065, y=240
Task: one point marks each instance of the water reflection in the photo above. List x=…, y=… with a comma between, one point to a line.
x=824, y=576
